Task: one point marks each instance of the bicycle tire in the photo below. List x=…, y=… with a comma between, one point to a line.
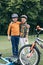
x=37, y=53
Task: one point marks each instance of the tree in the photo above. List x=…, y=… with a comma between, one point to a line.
x=32, y=8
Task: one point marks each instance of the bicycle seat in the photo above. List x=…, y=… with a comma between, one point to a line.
x=0, y=54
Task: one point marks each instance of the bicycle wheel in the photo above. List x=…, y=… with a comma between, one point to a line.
x=32, y=60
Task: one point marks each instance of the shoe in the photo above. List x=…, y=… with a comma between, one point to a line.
x=14, y=58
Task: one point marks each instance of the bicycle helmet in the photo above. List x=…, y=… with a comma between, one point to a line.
x=23, y=16
x=14, y=16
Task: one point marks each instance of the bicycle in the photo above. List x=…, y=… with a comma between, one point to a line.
x=35, y=57
x=8, y=60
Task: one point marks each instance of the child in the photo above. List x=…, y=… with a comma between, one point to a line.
x=14, y=29
x=24, y=31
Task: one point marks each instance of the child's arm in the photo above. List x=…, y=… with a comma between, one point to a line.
x=9, y=29
x=28, y=26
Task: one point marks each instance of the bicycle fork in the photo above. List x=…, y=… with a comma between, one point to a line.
x=34, y=44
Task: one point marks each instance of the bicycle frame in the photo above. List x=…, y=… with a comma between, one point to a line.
x=32, y=53
x=37, y=41
x=7, y=61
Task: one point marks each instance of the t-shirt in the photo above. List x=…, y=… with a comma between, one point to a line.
x=14, y=28
x=24, y=30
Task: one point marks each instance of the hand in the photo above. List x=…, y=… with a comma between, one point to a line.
x=9, y=37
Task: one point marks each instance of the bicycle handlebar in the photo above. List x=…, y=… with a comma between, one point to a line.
x=38, y=32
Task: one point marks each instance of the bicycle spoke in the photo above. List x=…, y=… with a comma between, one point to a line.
x=32, y=60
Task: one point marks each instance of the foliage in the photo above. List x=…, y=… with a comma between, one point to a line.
x=32, y=8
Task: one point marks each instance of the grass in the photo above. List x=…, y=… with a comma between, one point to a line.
x=6, y=49
x=5, y=46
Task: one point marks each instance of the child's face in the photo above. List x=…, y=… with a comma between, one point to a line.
x=23, y=20
x=14, y=19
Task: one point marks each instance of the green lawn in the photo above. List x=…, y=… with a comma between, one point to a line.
x=5, y=46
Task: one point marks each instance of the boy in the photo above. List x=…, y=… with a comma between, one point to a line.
x=24, y=31
x=14, y=29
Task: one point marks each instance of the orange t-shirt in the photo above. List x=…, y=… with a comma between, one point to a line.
x=14, y=28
